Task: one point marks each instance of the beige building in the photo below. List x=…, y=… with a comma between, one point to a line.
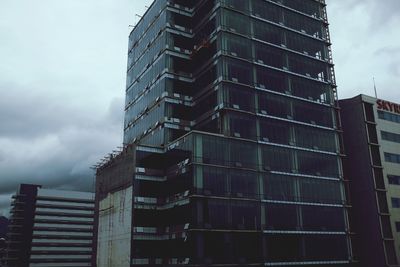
x=372, y=144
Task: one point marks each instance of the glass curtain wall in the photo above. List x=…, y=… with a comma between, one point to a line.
x=264, y=185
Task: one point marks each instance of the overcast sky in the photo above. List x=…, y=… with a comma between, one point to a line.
x=62, y=79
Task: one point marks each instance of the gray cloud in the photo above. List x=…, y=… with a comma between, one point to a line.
x=378, y=13
x=62, y=79
x=366, y=44
x=387, y=51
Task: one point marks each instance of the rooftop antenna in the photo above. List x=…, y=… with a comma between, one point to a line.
x=376, y=94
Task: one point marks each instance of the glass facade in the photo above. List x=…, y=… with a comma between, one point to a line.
x=394, y=179
x=388, y=116
x=393, y=158
x=392, y=137
x=241, y=96
x=236, y=201
x=192, y=61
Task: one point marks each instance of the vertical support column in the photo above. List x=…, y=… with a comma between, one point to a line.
x=198, y=179
x=199, y=239
x=263, y=215
x=226, y=127
x=258, y=131
x=292, y=136
x=198, y=148
x=295, y=169
x=198, y=158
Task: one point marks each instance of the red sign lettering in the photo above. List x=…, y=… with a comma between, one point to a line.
x=388, y=106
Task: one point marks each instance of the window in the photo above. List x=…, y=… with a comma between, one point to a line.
x=317, y=164
x=312, y=114
x=244, y=184
x=271, y=80
x=388, y=116
x=386, y=227
x=268, y=33
x=305, y=25
x=323, y=218
x=274, y=105
x=235, y=22
x=239, y=97
x=397, y=226
x=237, y=46
x=315, y=138
x=375, y=156
x=214, y=181
x=307, y=67
x=306, y=248
x=394, y=158
x=382, y=202
x=245, y=215
x=242, y=126
x=267, y=11
x=309, y=7
x=369, y=112
x=238, y=72
x=372, y=134
x=279, y=187
x=392, y=137
x=288, y=188
x=277, y=159
x=320, y=191
x=216, y=214
x=391, y=252
x=218, y=151
x=270, y=56
x=291, y=243
x=311, y=90
x=379, y=180
x=237, y=4
x=281, y=217
x=325, y=247
x=395, y=202
x=394, y=179
x=275, y=132
x=219, y=247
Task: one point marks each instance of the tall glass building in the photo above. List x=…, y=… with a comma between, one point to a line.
x=231, y=113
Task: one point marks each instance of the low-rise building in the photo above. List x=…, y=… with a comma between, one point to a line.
x=372, y=143
x=50, y=228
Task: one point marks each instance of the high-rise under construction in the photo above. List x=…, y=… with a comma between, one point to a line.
x=232, y=152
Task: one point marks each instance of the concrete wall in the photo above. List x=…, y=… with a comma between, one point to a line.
x=113, y=206
x=114, y=229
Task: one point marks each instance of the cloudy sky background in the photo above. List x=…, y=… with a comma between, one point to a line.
x=62, y=79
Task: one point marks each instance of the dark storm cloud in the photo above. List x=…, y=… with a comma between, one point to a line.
x=60, y=152
x=30, y=115
x=55, y=145
x=52, y=141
